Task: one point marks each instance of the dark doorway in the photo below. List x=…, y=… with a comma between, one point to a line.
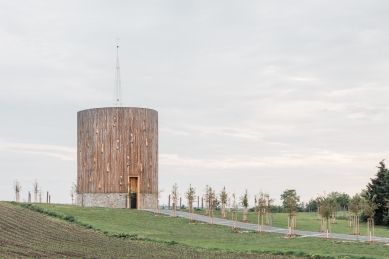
x=133, y=200
x=133, y=190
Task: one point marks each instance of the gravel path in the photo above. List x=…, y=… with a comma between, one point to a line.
x=250, y=226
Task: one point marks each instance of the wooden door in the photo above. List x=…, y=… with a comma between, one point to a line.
x=134, y=184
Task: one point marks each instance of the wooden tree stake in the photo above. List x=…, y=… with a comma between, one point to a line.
x=370, y=230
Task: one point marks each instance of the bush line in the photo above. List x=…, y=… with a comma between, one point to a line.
x=71, y=219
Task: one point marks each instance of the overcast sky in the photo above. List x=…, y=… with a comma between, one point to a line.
x=263, y=95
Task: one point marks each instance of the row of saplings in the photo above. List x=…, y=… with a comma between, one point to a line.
x=37, y=190
x=263, y=204
x=358, y=204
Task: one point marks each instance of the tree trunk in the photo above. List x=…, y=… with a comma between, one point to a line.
x=174, y=208
x=291, y=225
x=370, y=229
x=245, y=212
x=224, y=210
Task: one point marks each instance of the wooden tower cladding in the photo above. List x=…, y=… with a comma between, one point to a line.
x=117, y=154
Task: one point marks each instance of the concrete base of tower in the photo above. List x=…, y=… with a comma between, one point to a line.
x=148, y=201
x=115, y=200
x=107, y=200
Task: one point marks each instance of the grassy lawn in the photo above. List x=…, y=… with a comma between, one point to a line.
x=308, y=222
x=160, y=227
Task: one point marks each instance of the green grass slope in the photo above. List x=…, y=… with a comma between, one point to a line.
x=28, y=234
x=163, y=228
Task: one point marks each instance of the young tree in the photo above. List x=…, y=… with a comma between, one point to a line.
x=234, y=213
x=334, y=206
x=379, y=187
x=355, y=206
x=73, y=192
x=244, y=200
x=269, y=205
x=369, y=210
x=206, y=197
x=190, y=196
x=159, y=196
x=223, y=198
x=261, y=209
x=326, y=209
x=290, y=200
x=36, y=190
x=17, y=189
x=211, y=204
x=175, y=198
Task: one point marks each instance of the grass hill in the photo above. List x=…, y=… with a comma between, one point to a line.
x=191, y=238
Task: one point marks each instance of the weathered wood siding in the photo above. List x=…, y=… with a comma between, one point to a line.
x=114, y=144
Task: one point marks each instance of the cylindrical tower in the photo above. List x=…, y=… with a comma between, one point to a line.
x=117, y=157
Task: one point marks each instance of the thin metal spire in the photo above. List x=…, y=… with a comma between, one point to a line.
x=117, y=97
